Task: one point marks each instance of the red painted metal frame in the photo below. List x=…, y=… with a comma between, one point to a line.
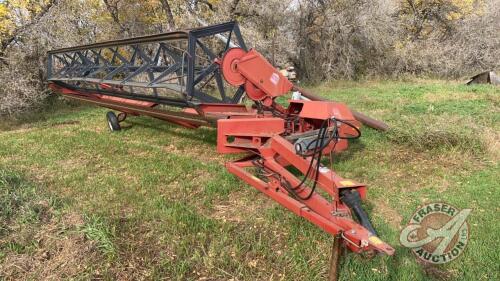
x=262, y=134
x=277, y=154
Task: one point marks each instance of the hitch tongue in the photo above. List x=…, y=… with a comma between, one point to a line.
x=353, y=200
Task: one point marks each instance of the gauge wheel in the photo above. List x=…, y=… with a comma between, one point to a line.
x=113, y=123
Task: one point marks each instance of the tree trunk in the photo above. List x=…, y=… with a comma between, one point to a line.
x=233, y=8
x=168, y=11
x=113, y=11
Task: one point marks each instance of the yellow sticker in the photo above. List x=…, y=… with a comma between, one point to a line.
x=375, y=240
x=347, y=183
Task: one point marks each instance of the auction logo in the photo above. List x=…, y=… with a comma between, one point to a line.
x=437, y=233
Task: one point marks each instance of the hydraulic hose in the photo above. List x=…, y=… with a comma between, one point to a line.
x=353, y=200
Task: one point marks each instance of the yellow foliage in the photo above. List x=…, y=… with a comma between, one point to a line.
x=4, y=11
x=462, y=7
x=6, y=24
x=436, y=15
x=465, y=8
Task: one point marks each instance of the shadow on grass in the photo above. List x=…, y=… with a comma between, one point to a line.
x=354, y=147
x=209, y=136
x=203, y=134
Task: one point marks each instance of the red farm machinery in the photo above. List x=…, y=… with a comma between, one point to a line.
x=200, y=77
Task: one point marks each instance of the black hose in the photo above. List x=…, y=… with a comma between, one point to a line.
x=318, y=153
x=353, y=200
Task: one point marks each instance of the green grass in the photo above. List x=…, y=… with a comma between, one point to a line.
x=18, y=205
x=96, y=229
x=157, y=202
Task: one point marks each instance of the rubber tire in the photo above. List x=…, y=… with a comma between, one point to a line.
x=121, y=117
x=113, y=123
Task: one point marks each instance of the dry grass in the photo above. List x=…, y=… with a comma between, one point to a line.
x=157, y=203
x=61, y=253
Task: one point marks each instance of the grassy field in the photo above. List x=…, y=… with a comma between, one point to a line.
x=155, y=202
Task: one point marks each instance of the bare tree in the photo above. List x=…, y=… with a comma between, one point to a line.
x=324, y=39
x=342, y=39
x=234, y=6
x=6, y=42
x=113, y=8
x=421, y=18
x=168, y=11
x=63, y=24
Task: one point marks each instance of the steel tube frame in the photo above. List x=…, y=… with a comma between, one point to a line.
x=115, y=75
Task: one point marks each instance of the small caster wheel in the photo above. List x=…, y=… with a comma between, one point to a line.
x=113, y=123
x=121, y=117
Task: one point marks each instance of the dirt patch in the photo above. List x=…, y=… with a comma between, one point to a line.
x=436, y=272
x=203, y=153
x=433, y=97
x=66, y=123
x=84, y=160
x=140, y=248
x=241, y=206
x=492, y=140
x=22, y=129
x=11, y=159
x=72, y=164
x=421, y=169
x=60, y=252
x=174, y=190
x=25, y=128
x=138, y=152
x=390, y=215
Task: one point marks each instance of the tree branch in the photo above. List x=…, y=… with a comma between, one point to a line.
x=113, y=11
x=20, y=30
x=168, y=11
x=234, y=6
